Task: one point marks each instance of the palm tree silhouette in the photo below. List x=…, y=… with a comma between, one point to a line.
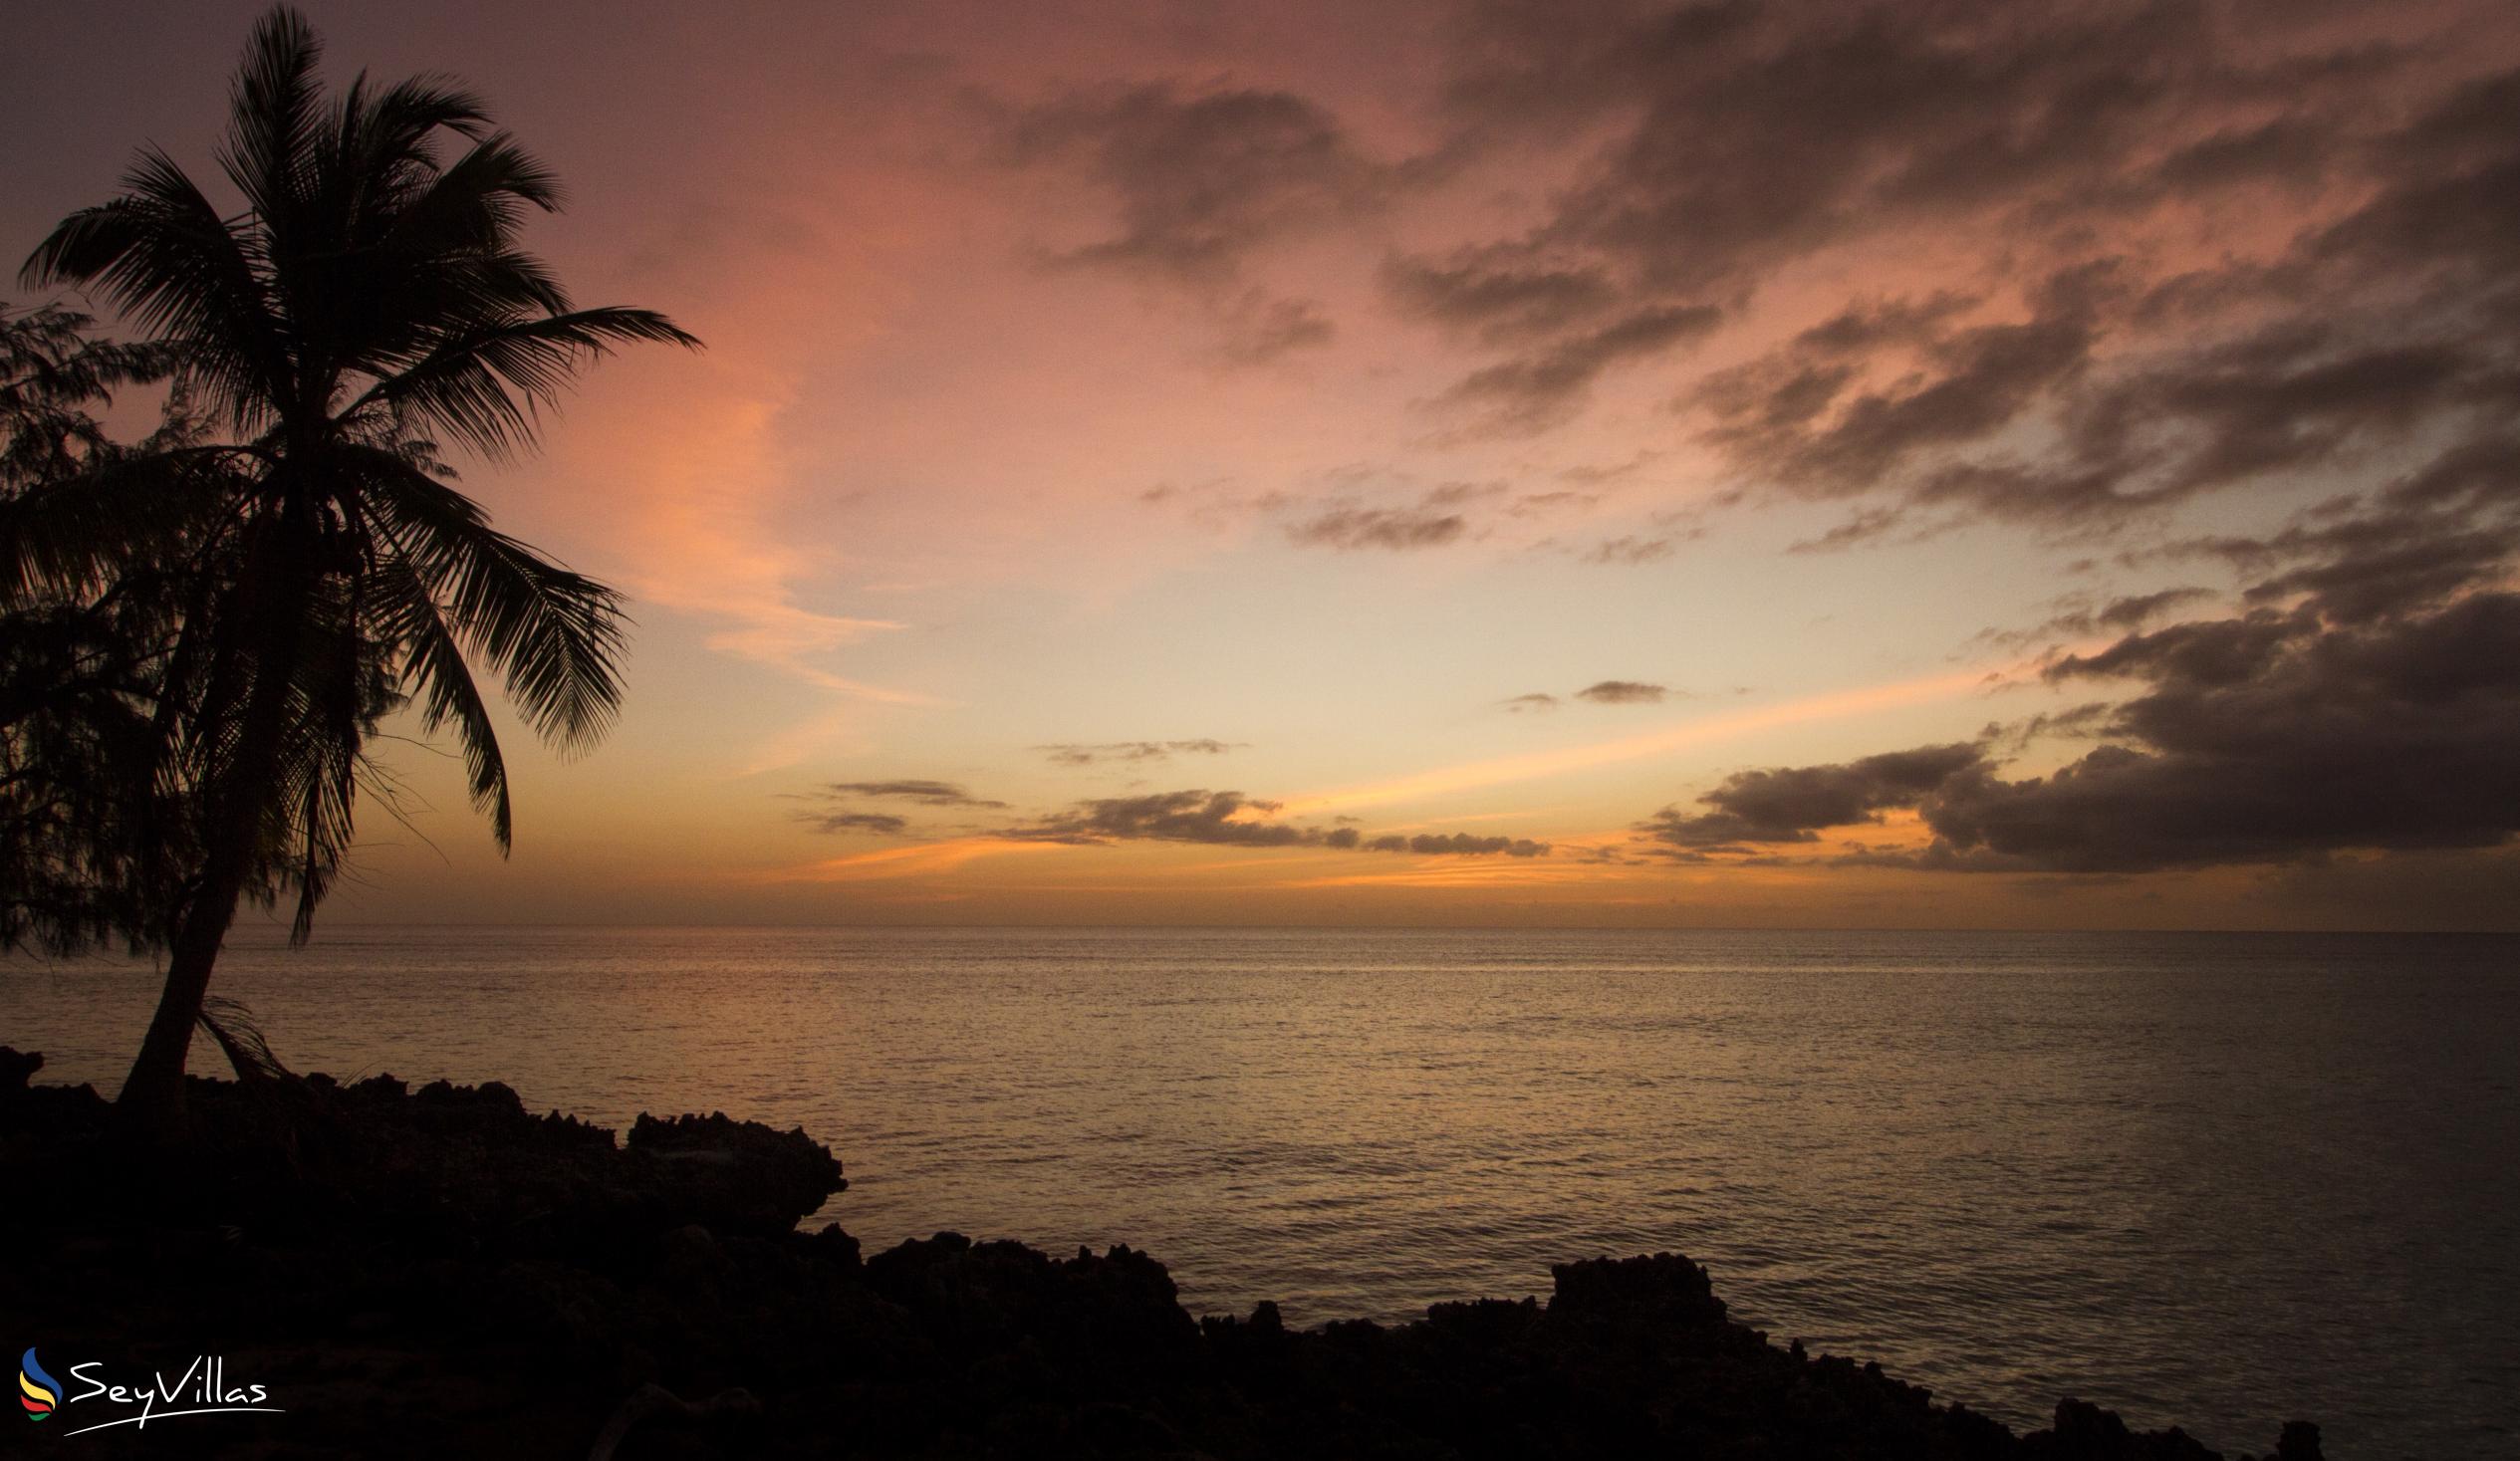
x=369, y=300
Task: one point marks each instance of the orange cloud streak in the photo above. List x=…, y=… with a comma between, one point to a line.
x=909, y=861
x=1503, y=770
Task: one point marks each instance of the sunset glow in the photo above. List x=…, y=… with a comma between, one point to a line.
x=1536, y=443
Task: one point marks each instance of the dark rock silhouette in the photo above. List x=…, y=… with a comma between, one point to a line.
x=437, y=1273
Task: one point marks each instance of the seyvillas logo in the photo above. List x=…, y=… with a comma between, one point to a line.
x=36, y=1392
x=203, y=1388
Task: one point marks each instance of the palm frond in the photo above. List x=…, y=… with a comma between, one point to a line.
x=163, y=255
x=240, y=1038
x=471, y=203
x=275, y=113
x=483, y=387
x=554, y=636
x=447, y=696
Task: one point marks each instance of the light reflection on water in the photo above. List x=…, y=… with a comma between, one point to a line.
x=2217, y=1179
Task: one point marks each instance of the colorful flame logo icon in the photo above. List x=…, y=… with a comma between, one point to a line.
x=36, y=1392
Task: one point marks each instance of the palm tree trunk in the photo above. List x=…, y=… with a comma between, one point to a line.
x=152, y=1094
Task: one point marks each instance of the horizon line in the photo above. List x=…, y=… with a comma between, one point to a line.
x=1036, y=925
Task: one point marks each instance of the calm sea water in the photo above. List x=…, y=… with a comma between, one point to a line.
x=2216, y=1179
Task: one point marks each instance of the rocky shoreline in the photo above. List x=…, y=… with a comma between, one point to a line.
x=438, y=1273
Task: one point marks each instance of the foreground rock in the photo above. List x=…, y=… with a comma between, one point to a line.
x=436, y=1273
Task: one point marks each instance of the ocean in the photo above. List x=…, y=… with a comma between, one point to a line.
x=2217, y=1179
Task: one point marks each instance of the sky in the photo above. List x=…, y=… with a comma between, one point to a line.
x=1740, y=464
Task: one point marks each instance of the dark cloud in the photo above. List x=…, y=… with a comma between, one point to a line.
x=2279, y=406
x=2291, y=148
x=2370, y=565
x=1453, y=494
x=2086, y=614
x=1792, y=804
x=1362, y=506
x=1457, y=844
x=1172, y=816
x=1868, y=325
x=1499, y=303
x=1744, y=134
x=1074, y=753
x=833, y=816
x=1201, y=180
x=926, y=792
x=1259, y=328
x=2274, y=736
x=1540, y=389
x=881, y=823
x=1392, y=528
x=1806, y=425
x=1537, y=504
x=1595, y=474
x=2396, y=735
x=2129, y=610
x=2081, y=369
x=1231, y=818
x=2091, y=720
x=2363, y=702
x=1599, y=692
x=1869, y=525
x=1630, y=549
x=1622, y=692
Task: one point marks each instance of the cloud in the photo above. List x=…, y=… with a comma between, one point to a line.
x=2403, y=552
x=926, y=792
x=1370, y=506
x=1201, y=184
x=1395, y=529
x=1174, y=817
x=682, y=479
x=1498, y=302
x=1073, y=753
x=1201, y=180
x=1629, y=549
x=2363, y=699
x=1803, y=423
x=1622, y=692
x=1600, y=693
x=881, y=823
x=2085, y=616
x=2152, y=250
x=1231, y=818
x=1742, y=135
x=1459, y=844
x=2333, y=725
x=1259, y=328
x=834, y=816
x=2399, y=735
x=1793, y=804
x=1533, y=392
